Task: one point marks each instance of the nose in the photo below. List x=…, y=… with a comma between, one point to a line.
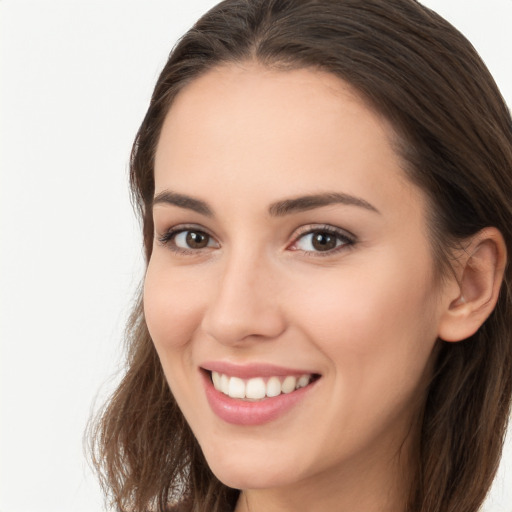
x=244, y=306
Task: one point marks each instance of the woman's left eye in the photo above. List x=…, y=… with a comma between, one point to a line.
x=322, y=241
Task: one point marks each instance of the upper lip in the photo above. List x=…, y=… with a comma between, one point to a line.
x=251, y=370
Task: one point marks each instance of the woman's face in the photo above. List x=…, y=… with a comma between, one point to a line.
x=290, y=252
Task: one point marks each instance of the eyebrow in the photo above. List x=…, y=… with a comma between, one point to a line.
x=304, y=203
x=277, y=209
x=183, y=201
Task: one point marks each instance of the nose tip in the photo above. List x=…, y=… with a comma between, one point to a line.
x=231, y=327
x=244, y=307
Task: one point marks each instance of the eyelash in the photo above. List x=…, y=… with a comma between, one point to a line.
x=167, y=239
x=348, y=240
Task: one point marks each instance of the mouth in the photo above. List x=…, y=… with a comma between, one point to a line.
x=256, y=393
x=259, y=388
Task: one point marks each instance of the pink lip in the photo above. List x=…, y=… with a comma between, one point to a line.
x=249, y=371
x=241, y=412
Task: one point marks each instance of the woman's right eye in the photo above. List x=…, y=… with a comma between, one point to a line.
x=187, y=240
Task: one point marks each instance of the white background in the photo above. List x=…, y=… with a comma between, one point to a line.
x=76, y=77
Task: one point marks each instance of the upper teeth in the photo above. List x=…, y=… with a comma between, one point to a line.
x=257, y=388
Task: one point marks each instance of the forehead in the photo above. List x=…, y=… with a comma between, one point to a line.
x=277, y=133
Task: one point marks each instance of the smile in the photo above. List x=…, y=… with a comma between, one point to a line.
x=255, y=394
x=258, y=388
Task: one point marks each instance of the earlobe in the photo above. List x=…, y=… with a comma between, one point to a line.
x=479, y=275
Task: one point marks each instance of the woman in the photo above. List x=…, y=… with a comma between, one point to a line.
x=326, y=316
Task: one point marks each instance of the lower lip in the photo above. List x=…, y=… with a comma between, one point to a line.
x=241, y=412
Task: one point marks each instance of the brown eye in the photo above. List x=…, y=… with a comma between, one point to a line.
x=322, y=241
x=196, y=239
x=184, y=240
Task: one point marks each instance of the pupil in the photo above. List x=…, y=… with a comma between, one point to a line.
x=197, y=240
x=323, y=241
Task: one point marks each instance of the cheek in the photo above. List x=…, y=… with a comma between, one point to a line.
x=373, y=322
x=376, y=331
x=173, y=307
x=173, y=312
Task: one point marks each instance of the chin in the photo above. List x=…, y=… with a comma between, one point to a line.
x=250, y=477
x=241, y=469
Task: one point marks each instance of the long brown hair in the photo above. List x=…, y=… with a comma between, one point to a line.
x=455, y=137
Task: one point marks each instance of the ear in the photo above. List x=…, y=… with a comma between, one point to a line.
x=478, y=275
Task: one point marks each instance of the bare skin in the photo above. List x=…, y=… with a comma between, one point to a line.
x=362, y=309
